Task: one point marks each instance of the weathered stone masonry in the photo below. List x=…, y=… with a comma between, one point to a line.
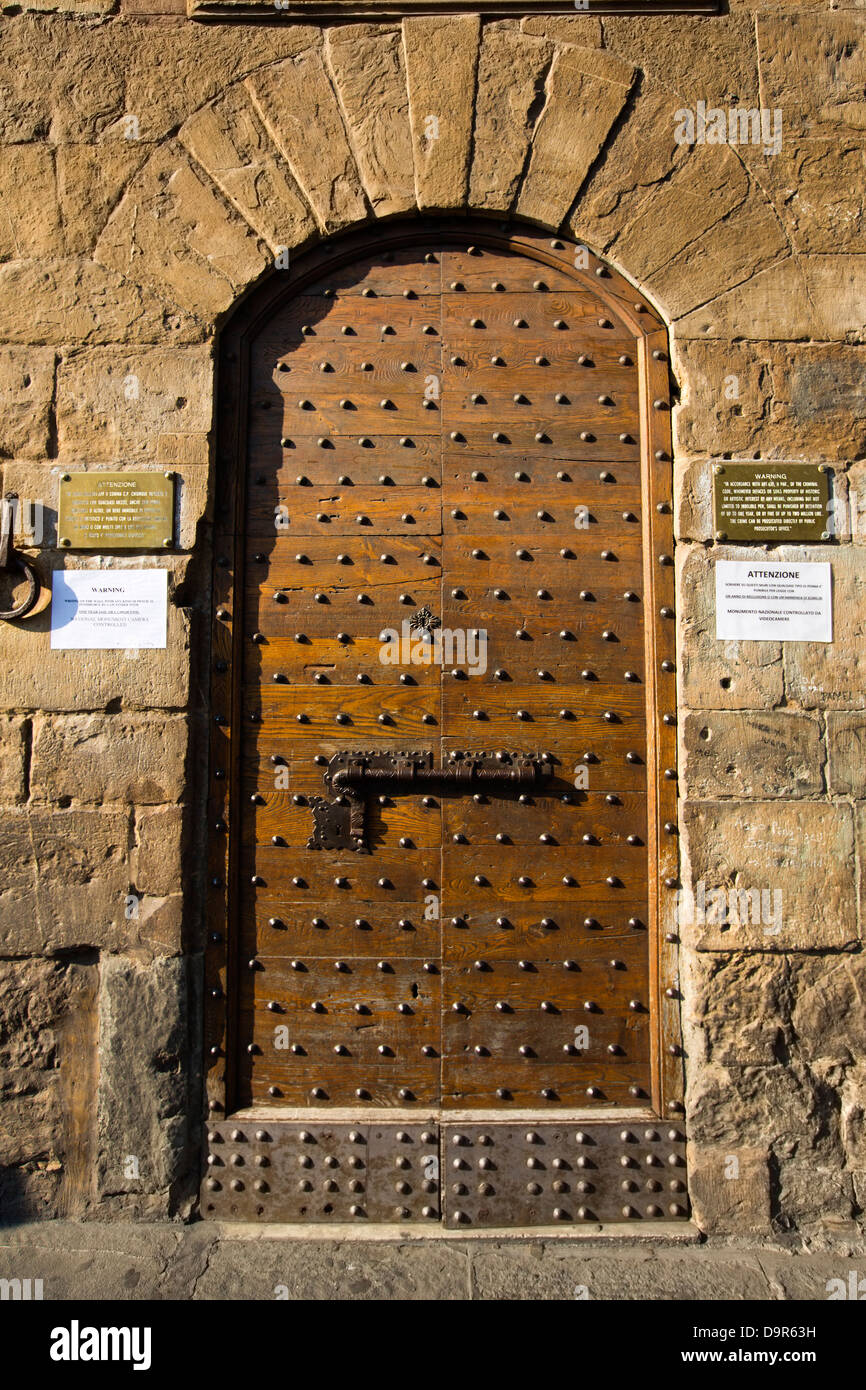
x=151, y=170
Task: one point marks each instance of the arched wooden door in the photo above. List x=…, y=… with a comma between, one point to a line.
x=441, y=978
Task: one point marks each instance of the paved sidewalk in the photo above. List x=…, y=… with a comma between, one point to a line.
x=206, y=1261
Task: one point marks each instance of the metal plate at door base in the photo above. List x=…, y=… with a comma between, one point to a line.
x=560, y=1175
x=296, y=1171
x=492, y=1175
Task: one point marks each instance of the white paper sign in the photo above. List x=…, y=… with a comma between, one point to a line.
x=764, y=601
x=109, y=608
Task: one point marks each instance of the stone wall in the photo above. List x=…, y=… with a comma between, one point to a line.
x=152, y=170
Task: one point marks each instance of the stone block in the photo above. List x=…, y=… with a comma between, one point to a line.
x=293, y=98
x=48, y=1053
x=775, y=852
x=809, y=1195
x=157, y=858
x=853, y=1115
x=813, y=184
x=171, y=230
x=185, y=66
x=856, y=479
x=38, y=489
x=740, y=1006
x=846, y=738
x=810, y=297
x=743, y=754
x=714, y=674
x=368, y=67
x=26, y=393
x=136, y=760
x=229, y=141
x=144, y=1110
x=781, y=1108
x=64, y=879
x=583, y=30
x=90, y=181
x=716, y=63
x=512, y=68
x=76, y=301
x=38, y=678
x=832, y=675
x=14, y=740
x=653, y=225
x=441, y=56
x=791, y=401
x=586, y=90
x=827, y=1012
x=29, y=213
x=813, y=66
x=115, y=405
x=725, y=254
x=628, y=180
x=730, y=1189
x=74, y=89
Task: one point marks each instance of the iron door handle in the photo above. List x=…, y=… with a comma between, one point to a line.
x=339, y=824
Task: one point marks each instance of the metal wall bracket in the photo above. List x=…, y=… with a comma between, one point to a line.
x=10, y=561
x=339, y=824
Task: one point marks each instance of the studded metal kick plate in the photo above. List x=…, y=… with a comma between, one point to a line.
x=313, y=1172
x=551, y=1175
x=492, y=1175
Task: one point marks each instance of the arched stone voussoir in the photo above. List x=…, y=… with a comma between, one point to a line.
x=512, y=67
x=586, y=89
x=686, y=220
x=441, y=55
x=227, y=138
x=173, y=231
x=368, y=68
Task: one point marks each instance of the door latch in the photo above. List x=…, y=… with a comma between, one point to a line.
x=340, y=823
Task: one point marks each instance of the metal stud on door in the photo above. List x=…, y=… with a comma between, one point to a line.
x=443, y=758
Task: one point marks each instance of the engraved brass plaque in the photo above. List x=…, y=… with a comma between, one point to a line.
x=116, y=511
x=771, y=502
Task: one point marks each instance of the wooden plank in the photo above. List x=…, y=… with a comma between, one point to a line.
x=564, y=357
x=545, y=813
x=336, y=511
x=552, y=871
x=398, y=412
x=389, y=819
x=322, y=874
x=339, y=664
x=392, y=320
x=501, y=317
x=570, y=930
x=335, y=928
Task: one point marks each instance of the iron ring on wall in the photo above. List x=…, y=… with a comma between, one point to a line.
x=21, y=609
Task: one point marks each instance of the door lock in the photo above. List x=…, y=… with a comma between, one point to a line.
x=340, y=823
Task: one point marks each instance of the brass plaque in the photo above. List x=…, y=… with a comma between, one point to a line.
x=116, y=511
x=771, y=502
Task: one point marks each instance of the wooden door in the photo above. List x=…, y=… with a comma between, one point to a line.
x=445, y=772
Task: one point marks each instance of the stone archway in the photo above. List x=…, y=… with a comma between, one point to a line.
x=437, y=114
x=335, y=136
